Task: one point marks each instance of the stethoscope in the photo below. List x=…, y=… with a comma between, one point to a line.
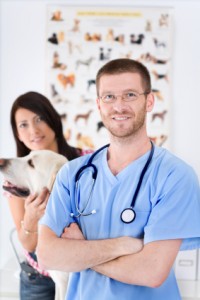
x=128, y=215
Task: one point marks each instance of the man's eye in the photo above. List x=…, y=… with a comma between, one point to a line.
x=131, y=95
x=109, y=97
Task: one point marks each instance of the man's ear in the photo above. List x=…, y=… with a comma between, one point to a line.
x=98, y=103
x=150, y=102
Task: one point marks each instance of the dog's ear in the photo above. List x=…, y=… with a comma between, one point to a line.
x=56, y=167
x=51, y=182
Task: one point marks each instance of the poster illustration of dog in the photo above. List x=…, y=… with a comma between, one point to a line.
x=79, y=40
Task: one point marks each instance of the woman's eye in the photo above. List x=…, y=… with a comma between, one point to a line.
x=39, y=119
x=22, y=125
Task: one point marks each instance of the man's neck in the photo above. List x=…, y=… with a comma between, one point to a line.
x=122, y=153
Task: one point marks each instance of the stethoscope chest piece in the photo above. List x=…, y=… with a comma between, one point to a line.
x=128, y=215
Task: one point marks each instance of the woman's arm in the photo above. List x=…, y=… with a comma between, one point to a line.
x=26, y=214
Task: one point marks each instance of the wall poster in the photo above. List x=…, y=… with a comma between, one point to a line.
x=81, y=39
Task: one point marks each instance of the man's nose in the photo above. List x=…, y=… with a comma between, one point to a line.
x=119, y=105
x=121, y=97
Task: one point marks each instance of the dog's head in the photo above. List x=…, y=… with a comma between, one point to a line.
x=29, y=174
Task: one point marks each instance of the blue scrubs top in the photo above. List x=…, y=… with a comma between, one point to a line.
x=167, y=207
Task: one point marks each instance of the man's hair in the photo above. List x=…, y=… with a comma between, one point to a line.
x=124, y=65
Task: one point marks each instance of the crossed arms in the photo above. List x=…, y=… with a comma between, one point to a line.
x=124, y=259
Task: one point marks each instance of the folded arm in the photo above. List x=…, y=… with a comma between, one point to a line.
x=73, y=254
x=149, y=267
x=123, y=259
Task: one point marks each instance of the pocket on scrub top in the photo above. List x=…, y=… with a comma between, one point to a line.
x=136, y=228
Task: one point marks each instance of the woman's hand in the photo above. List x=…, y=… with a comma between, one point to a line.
x=35, y=206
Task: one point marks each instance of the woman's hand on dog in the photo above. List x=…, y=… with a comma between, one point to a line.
x=35, y=205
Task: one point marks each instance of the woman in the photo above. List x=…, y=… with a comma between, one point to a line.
x=36, y=125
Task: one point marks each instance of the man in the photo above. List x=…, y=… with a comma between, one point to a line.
x=124, y=232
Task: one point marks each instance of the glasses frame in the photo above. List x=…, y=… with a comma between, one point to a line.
x=122, y=97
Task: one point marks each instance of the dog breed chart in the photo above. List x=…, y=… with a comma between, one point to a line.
x=79, y=40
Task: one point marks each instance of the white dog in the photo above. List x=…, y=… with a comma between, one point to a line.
x=29, y=174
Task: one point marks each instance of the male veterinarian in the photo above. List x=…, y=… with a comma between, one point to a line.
x=124, y=232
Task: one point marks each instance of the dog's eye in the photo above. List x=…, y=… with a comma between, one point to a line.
x=30, y=162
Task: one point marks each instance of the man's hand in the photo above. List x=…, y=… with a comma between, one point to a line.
x=81, y=254
x=72, y=232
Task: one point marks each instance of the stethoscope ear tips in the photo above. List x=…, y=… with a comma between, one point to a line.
x=72, y=215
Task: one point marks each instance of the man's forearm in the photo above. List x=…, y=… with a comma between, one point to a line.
x=120, y=269
x=74, y=255
x=148, y=267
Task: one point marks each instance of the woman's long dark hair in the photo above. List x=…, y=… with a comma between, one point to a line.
x=41, y=106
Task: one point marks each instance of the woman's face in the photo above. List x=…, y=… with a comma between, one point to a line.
x=34, y=132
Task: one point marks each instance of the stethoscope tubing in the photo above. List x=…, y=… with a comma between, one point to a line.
x=90, y=164
x=142, y=175
x=94, y=176
x=128, y=214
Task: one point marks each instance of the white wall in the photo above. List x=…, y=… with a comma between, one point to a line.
x=22, y=66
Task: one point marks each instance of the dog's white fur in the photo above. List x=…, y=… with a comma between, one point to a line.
x=29, y=174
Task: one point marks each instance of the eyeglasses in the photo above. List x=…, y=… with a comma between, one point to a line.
x=127, y=97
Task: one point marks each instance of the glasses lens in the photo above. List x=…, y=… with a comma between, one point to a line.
x=108, y=98
x=131, y=96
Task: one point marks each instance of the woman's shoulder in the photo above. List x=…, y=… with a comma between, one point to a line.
x=85, y=151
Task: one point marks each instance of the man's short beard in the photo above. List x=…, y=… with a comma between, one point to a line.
x=133, y=129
